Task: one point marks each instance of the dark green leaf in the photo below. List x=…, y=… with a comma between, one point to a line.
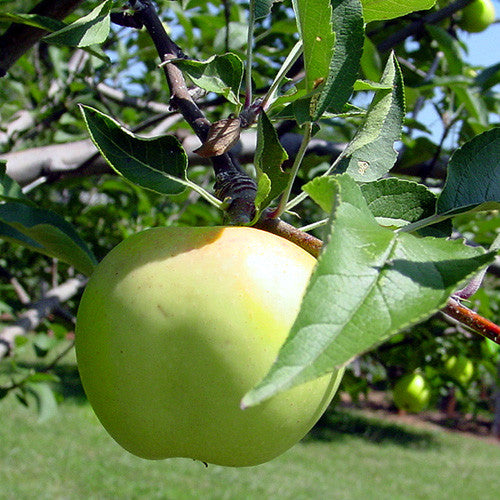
x=220, y=74
x=371, y=154
x=473, y=179
x=157, y=164
x=489, y=77
x=91, y=29
x=45, y=232
x=394, y=202
x=35, y=20
x=370, y=283
x=397, y=202
x=9, y=188
x=450, y=47
x=269, y=156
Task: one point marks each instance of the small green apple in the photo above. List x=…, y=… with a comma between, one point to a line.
x=177, y=324
x=459, y=368
x=477, y=16
x=411, y=393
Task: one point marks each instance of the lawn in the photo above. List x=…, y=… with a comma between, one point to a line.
x=347, y=456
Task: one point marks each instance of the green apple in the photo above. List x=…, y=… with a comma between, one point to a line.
x=477, y=16
x=177, y=324
x=411, y=393
x=459, y=368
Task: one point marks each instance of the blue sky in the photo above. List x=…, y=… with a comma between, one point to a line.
x=483, y=50
x=484, y=47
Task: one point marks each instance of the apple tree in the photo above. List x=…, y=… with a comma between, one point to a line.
x=303, y=119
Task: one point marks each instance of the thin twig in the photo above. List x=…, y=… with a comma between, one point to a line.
x=238, y=195
x=474, y=321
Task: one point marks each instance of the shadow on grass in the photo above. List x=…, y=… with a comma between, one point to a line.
x=336, y=424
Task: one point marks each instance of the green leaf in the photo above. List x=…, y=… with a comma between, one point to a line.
x=371, y=63
x=343, y=67
x=37, y=377
x=157, y=164
x=91, y=29
x=323, y=190
x=35, y=20
x=371, y=154
x=43, y=343
x=45, y=232
x=45, y=400
x=219, y=74
x=473, y=179
x=331, y=81
x=488, y=77
x=314, y=21
x=398, y=202
x=262, y=195
x=326, y=190
x=378, y=10
x=369, y=283
x=450, y=47
x=269, y=156
x=238, y=36
x=367, y=86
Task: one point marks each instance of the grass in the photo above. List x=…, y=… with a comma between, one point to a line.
x=347, y=456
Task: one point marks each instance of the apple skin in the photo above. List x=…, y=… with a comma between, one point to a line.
x=477, y=16
x=177, y=324
x=411, y=393
x=459, y=368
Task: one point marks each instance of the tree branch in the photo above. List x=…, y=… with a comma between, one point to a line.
x=471, y=319
x=232, y=185
x=31, y=318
